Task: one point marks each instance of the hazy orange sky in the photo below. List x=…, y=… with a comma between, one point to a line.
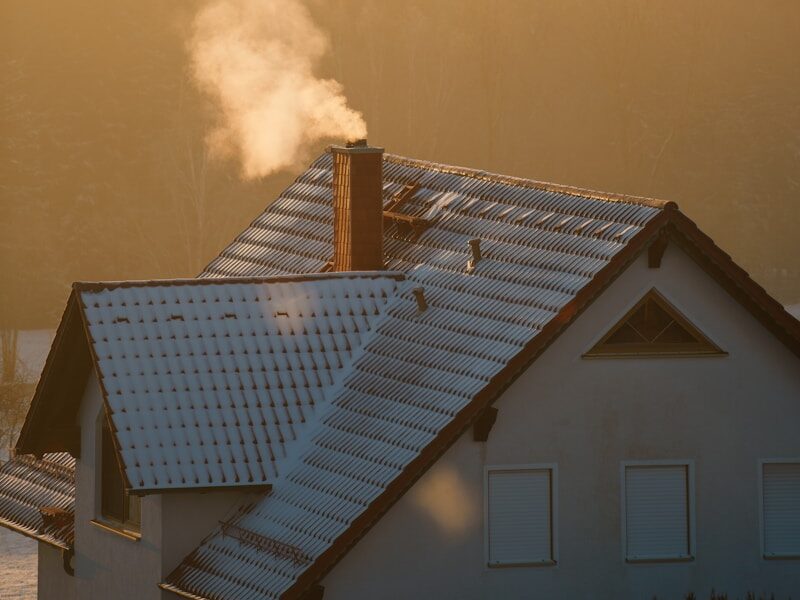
x=104, y=172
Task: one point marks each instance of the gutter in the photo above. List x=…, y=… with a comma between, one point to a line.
x=27, y=532
x=179, y=592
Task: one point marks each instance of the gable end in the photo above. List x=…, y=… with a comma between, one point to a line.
x=50, y=424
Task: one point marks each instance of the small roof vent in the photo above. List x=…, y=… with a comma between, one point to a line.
x=419, y=294
x=475, y=247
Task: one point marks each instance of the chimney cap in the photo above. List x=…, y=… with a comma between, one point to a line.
x=359, y=146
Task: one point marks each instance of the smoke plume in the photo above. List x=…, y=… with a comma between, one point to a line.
x=256, y=59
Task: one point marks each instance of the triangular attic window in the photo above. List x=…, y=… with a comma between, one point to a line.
x=654, y=328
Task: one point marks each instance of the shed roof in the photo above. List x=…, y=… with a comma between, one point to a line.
x=27, y=485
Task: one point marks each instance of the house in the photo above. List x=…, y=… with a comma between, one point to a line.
x=411, y=380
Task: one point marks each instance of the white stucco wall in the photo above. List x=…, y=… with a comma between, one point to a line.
x=54, y=582
x=109, y=566
x=187, y=519
x=587, y=416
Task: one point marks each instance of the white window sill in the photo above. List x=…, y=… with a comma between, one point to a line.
x=118, y=529
x=513, y=565
x=659, y=559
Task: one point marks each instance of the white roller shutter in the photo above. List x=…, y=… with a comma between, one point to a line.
x=519, y=516
x=781, y=486
x=657, y=512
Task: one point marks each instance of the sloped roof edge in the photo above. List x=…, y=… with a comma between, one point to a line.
x=65, y=334
x=45, y=539
x=735, y=280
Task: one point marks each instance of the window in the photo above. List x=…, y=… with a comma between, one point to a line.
x=780, y=486
x=653, y=328
x=657, y=511
x=115, y=504
x=519, y=516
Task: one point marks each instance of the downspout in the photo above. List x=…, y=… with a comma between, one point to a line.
x=67, y=554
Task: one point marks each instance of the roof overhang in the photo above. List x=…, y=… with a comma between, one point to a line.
x=50, y=425
x=258, y=488
x=34, y=535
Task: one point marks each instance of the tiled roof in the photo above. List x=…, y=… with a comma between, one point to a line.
x=208, y=381
x=28, y=485
x=573, y=232
x=421, y=369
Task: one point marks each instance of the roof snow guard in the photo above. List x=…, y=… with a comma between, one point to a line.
x=206, y=382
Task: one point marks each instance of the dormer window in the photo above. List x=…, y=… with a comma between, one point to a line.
x=116, y=505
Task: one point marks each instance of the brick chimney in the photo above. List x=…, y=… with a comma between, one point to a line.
x=357, y=207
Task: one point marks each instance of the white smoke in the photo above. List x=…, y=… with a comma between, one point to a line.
x=256, y=59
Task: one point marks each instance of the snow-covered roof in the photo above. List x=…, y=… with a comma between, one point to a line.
x=28, y=485
x=206, y=382
x=562, y=230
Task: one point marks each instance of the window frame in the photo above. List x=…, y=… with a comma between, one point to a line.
x=127, y=527
x=690, y=505
x=552, y=468
x=762, y=525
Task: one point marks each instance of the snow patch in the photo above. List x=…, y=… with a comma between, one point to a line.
x=18, y=566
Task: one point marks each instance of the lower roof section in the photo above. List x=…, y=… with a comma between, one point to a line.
x=37, y=497
x=206, y=382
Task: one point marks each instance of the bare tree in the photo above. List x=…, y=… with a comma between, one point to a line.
x=15, y=389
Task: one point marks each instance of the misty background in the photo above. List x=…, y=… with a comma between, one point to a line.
x=105, y=174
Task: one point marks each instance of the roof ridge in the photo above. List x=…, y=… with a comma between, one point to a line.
x=97, y=286
x=532, y=183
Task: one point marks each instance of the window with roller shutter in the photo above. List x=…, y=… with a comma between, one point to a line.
x=520, y=516
x=657, y=509
x=780, y=489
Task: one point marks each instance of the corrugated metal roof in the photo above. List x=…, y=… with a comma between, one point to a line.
x=208, y=381
x=28, y=485
x=419, y=370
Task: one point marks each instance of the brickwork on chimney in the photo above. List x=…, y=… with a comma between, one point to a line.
x=357, y=208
